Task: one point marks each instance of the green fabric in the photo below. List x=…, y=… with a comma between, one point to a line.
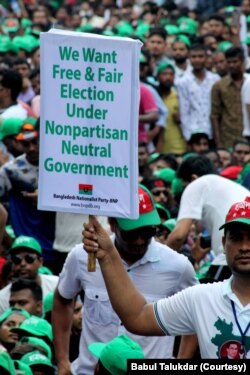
x=27, y=243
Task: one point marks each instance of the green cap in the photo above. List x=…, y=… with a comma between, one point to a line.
x=114, y=354
x=163, y=66
x=36, y=358
x=26, y=42
x=108, y=33
x=39, y=342
x=29, y=243
x=224, y=46
x=37, y=327
x=85, y=28
x=7, y=364
x=184, y=39
x=142, y=29
x=188, y=26
x=10, y=25
x=44, y=271
x=12, y=311
x=166, y=174
x=48, y=302
x=248, y=18
x=172, y=29
x=229, y=9
x=124, y=29
x=24, y=369
x=26, y=22
x=153, y=157
x=161, y=209
x=5, y=45
x=10, y=126
x=169, y=224
x=29, y=121
x=148, y=215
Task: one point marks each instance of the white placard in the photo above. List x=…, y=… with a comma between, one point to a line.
x=89, y=124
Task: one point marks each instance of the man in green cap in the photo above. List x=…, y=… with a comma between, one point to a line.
x=114, y=354
x=9, y=129
x=26, y=257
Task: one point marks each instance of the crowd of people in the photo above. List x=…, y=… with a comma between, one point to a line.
x=175, y=282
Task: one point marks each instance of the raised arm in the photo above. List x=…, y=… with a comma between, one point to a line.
x=130, y=305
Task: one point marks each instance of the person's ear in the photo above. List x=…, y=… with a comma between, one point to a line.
x=194, y=177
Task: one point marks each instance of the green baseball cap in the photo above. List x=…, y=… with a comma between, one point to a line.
x=39, y=342
x=124, y=29
x=148, y=215
x=29, y=243
x=177, y=186
x=115, y=353
x=184, y=39
x=172, y=29
x=25, y=42
x=166, y=174
x=161, y=209
x=24, y=369
x=48, y=302
x=169, y=224
x=142, y=29
x=188, y=26
x=153, y=157
x=10, y=25
x=5, y=44
x=224, y=46
x=10, y=231
x=26, y=22
x=142, y=59
x=7, y=364
x=10, y=126
x=35, y=358
x=37, y=327
x=12, y=311
x=161, y=67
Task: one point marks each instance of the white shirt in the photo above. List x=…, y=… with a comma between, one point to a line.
x=245, y=98
x=195, y=103
x=159, y=273
x=205, y=310
x=48, y=284
x=15, y=111
x=208, y=198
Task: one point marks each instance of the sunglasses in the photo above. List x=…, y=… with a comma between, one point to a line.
x=132, y=235
x=29, y=258
x=157, y=193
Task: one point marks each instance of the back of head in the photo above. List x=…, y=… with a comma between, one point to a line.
x=195, y=165
x=13, y=81
x=235, y=52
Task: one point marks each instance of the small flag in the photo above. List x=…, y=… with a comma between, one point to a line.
x=85, y=189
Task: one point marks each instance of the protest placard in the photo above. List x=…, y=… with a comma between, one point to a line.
x=89, y=124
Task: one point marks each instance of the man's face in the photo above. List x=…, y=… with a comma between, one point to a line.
x=232, y=350
x=198, y=59
x=236, y=243
x=201, y=146
x=6, y=335
x=160, y=195
x=22, y=69
x=77, y=317
x=180, y=52
x=143, y=156
x=133, y=244
x=40, y=16
x=225, y=158
x=240, y=152
x=220, y=64
x=31, y=149
x=35, y=82
x=235, y=65
x=24, y=299
x=156, y=46
x=216, y=28
x=25, y=264
x=166, y=77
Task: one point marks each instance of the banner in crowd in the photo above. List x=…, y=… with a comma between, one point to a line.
x=89, y=124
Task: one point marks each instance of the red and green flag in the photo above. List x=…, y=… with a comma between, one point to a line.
x=85, y=189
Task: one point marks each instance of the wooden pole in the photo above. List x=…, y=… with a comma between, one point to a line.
x=91, y=256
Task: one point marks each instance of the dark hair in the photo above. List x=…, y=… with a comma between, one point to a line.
x=218, y=18
x=240, y=142
x=170, y=159
x=35, y=72
x=32, y=285
x=196, y=137
x=12, y=80
x=199, y=165
x=232, y=342
x=20, y=60
x=235, y=52
x=101, y=369
x=158, y=30
x=198, y=47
